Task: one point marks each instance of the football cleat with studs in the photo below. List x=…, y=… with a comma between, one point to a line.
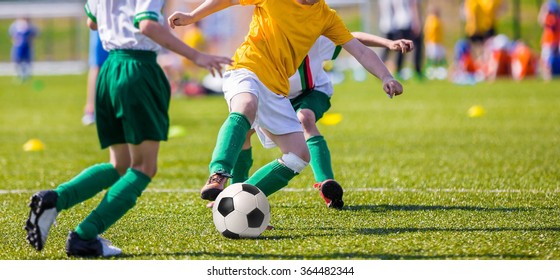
x=331, y=192
x=41, y=217
x=97, y=247
x=214, y=186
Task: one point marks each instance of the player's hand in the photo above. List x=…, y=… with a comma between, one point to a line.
x=392, y=87
x=402, y=45
x=212, y=63
x=179, y=19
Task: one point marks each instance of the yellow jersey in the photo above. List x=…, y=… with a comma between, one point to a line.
x=480, y=15
x=433, y=30
x=280, y=35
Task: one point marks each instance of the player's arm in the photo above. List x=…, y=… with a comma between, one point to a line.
x=91, y=15
x=91, y=24
x=208, y=7
x=373, y=64
x=371, y=40
x=161, y=35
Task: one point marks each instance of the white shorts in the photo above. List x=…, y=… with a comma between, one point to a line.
x=274, y=112
x=435, y=51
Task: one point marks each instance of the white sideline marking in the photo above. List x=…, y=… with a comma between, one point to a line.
x=348, y=189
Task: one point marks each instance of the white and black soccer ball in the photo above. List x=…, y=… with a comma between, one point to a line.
x=241, y=211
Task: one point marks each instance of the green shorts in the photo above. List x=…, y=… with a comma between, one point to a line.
x=316, y=101
x=132, y=99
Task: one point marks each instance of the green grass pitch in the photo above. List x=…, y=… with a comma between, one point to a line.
x=422, y=179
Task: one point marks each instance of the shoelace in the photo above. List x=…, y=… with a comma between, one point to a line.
x=216, y=178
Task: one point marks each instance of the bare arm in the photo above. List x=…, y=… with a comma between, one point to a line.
x=371, y=40
x=373, y=64
x=161, y=35
x=203, y=10
x=92, y=25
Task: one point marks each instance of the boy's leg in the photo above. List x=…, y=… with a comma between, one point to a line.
x=330, y=190
x=85, y=185
x=311, y=108
x=231, y=138
x=228, y=146
x=229, y=143
x=122, y=196
x=45, y=205
x=320, y=158
x=244, y=161
x=276, y=175
x=242, y=166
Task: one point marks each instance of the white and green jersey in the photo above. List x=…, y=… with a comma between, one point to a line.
x=118, y=31
x=310, y=74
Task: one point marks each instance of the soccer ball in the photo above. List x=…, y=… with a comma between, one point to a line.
x=241, y=211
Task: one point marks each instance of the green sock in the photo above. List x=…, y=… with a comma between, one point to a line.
x=242, y=166
x=320, y=158
x=229, y=143
x=85, y=185
x=271, y=177
x=120, y=198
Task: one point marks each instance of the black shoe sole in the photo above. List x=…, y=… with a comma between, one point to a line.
x=38, y=205
x=210, y=194
x=333, y=191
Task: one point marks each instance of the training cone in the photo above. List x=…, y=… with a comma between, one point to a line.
x=331, y=119
x=176, y=131
x=476, y=111
x=33, y=145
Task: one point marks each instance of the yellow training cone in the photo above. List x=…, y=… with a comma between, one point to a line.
x=176, y=131
x=33, y=145
x=331, y=118
x=476, y=111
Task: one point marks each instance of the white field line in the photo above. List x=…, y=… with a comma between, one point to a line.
x=403, y=190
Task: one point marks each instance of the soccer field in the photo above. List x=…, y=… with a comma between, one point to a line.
x=422, y=179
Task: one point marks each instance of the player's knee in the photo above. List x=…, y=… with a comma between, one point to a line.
x=246, y=104
x=121, y=168
x=307, y=119
x=149, y=171
x=294, y=162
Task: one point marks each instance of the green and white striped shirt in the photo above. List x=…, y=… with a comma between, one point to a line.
x=118, y=21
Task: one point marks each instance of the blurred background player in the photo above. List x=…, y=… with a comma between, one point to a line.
x=194, y=37
x=131, y=108
x=22, y=33
x=465, y=70
x=496, y=58
x=405, y=23
x=549, y=19
x=436, y=62
x=386, y=27
x=480, y=22
x=523, y=61
x=97, y=55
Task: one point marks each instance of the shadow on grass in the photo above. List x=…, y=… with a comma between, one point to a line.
x=387, y=231
x=332, y=256
x=387, y=207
